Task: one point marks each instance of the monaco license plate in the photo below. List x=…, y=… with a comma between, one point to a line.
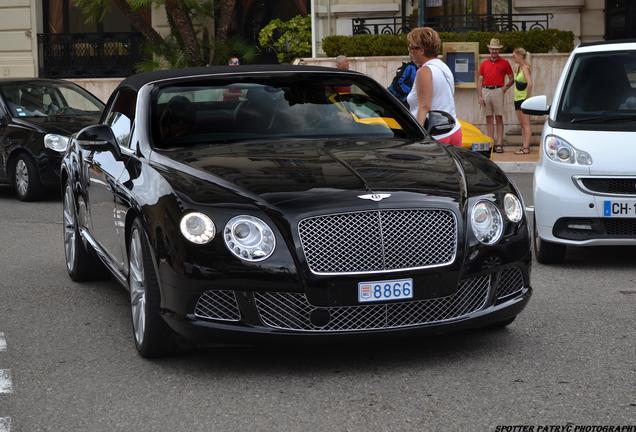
x=481, y=147
x=397, y=289
x=619, y=208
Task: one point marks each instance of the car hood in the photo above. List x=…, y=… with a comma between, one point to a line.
x=63, y=125
x=284, y=171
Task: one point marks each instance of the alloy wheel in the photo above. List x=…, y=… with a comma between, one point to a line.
x=137, y=286
x=21, y=177
x=70, y=230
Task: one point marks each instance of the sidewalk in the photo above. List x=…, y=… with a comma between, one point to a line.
x=512, y=163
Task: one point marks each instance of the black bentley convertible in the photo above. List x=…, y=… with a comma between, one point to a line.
x=288, y=201
x=37, y=117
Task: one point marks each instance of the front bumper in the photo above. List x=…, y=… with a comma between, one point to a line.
x=566, y=214
x=226, y=315
x=49, y=164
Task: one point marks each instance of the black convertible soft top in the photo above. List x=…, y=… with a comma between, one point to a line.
x=137, y=81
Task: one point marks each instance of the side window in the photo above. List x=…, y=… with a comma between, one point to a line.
x=121, y=116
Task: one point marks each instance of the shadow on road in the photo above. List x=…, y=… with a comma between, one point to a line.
x=371, y=357
x=51, y=195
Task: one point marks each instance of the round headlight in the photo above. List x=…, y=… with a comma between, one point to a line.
x=56, y=142
x=513, y=208
x=249, y=238
x=197, y=227
x=486, y=222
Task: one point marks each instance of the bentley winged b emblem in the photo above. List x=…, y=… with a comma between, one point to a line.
x=375, y=196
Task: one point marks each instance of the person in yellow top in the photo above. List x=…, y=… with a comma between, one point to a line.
x=522, y=91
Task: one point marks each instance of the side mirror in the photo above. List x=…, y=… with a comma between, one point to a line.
x=439, y=123
x=98, y=138
x=536, y=105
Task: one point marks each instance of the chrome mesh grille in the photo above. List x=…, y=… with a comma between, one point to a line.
x=510, y=282
x=291, y=311
x=376, y=241
x=218, y=305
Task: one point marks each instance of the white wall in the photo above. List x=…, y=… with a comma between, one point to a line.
x=18, y=38
x=546, y=70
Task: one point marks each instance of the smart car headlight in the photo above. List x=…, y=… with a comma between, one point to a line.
x=559, y=150
x=197, y=228
x=56, y=142
x=513, y=208
x=486, y=222
x=249, y=238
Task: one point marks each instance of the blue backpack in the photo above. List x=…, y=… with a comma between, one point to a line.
x=403, y=81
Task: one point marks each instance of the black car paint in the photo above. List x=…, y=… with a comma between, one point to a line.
x=160, y=186
x=27, y=135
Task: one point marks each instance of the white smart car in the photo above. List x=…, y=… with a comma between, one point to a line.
x=585, y=180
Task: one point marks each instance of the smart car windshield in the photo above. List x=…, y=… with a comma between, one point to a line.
x=254, y=109
x=601, y=89
x=43, y=99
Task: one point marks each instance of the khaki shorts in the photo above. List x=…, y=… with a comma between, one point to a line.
x=493, y=101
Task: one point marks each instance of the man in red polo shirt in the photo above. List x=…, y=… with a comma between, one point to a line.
x=491, y=88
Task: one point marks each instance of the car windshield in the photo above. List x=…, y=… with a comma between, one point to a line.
x=44, y=99
x=600, y=89
x=276, y=108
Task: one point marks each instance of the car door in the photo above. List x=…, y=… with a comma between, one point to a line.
x=104, y=169
x=4, y=128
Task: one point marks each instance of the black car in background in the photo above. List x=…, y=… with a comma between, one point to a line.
x=37, y=117
x=287, y=202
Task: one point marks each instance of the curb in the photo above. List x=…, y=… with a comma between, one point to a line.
x=517, y=167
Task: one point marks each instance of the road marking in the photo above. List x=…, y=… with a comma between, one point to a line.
x=3, y=342
x=5, y=381
x=5, y=424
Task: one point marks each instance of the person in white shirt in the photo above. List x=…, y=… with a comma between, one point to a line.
x=434, y=85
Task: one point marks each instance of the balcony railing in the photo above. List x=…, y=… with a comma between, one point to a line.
x=89, y=55
x=454, y=23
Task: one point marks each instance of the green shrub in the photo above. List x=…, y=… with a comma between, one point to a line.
x=534, y=41
x=288, y=39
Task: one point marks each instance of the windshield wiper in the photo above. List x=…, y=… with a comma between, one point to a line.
x=604, y=119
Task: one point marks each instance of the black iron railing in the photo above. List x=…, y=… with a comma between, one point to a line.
x=454, y=23
x=90, y=55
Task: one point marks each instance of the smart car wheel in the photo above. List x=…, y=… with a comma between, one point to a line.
x=547, y=252
x=152, y=336
x=81, y=264
x=26, y=179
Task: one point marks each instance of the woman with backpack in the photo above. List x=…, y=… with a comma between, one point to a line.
x=434, y=85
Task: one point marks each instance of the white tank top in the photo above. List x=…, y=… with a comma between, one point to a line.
x=443, y=93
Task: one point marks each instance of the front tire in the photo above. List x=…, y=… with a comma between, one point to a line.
x=153, y=337
x=547, y=252
x=26, y=178
x=82, y=264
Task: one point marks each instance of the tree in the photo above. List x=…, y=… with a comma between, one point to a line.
x=288, y=39
x=189, y=42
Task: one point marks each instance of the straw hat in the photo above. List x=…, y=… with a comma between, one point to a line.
x=495, y=43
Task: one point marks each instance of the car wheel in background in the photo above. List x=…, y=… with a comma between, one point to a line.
x=547, y=252
x=153, y=337
x=82, y=264
x=26, y=179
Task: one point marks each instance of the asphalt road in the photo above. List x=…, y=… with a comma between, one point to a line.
x=67, y=360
